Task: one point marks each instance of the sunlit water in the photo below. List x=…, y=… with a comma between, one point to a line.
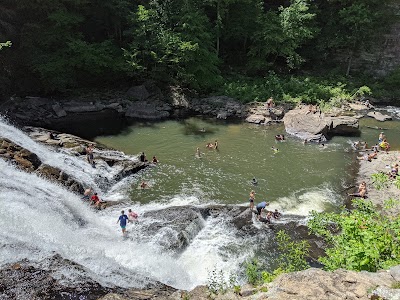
x=39, y=218
x=297, y=179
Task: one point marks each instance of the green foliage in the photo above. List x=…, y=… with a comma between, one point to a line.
x=280, y=34
x=6, y=44
x=292, y=258
x=254, y=272
x=293, y=254
x=217, y=283
x=326, y=92
x=177, y=50
x=380, y=180
x=395, y=285
x=391, y=203
x=360, y=239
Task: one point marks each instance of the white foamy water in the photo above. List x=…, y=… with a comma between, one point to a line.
x=73, y=166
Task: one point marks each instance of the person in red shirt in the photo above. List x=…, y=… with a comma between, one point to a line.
x=94, y=200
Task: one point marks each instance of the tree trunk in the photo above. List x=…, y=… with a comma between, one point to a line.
x=349, y=64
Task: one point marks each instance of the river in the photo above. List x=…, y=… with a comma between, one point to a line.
x=39, y=218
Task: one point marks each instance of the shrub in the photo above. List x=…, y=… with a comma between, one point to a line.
x=360, y=239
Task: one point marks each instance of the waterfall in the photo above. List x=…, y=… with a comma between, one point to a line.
x=39, y=218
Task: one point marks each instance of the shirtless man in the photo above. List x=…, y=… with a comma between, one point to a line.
x=87, y=193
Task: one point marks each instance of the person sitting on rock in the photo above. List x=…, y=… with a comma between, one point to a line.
x=95, y=200
x=362, y=191
x=394, y=171
x=143, y=157
x=384, y=145
x=276, y=214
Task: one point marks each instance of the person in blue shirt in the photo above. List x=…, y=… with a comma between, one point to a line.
x=123, y=218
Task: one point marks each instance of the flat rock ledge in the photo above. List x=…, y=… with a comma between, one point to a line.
x=318, y=127
x=379, y=116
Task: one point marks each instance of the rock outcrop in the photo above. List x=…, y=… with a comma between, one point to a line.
x=321, y=285
x=318, y=126
x=379, y=116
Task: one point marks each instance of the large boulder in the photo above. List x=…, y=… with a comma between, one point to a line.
x=317, y=126
x=152, y=110
x=379, y=116
x=174, y=226
x=138, y=92
x=307, y=126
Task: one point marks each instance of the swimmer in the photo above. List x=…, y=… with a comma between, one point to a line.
x=198, y=153
x=216, y=145
x=279, y=137
x=154, y=160
x=202, y=130
x=210, y=145
x=276, y=150
x=144, y=185
x=254, y=181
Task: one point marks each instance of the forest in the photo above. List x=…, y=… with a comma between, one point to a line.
x=232, y=46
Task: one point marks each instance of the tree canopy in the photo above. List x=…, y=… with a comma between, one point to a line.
x=64, y=44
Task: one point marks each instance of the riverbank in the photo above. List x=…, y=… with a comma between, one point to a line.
x=381, y=164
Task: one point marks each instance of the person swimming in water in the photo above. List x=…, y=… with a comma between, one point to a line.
x=198, y=153
x=276, y=150
x=254, y=181
x=279, y=137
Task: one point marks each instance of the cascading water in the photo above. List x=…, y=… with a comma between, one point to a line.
x=39, y=219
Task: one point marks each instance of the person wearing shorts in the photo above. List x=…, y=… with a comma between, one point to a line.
x=123, y=218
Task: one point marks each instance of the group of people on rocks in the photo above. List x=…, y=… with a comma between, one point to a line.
x=263, y=215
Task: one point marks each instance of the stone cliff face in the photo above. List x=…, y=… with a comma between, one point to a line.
x=384, y=57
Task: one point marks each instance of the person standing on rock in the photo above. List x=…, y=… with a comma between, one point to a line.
x=89, y=155
x=123, y=218
x=252, y=197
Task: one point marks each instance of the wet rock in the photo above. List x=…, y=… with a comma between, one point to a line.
x=21, y=157
x=59, y=111
x=176, y=226
x=138, y=92
x=258, y=119
x=55, y=174
x=152, y=110
x=379, y=116
x=222, y=106
x=28, y=281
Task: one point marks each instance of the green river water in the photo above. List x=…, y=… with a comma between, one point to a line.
x=297, y=179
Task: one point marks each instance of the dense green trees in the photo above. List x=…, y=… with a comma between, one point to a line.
x=62, y=44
